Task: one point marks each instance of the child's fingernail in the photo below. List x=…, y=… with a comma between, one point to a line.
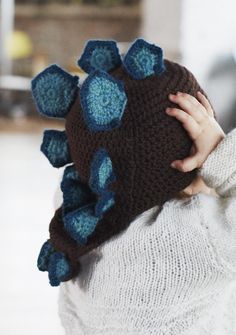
x=168, y=110
x=171, y=96
x=173, y=165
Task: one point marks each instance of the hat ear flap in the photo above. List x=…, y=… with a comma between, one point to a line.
x=54, y=91
x=100, y=55
x=144, y=59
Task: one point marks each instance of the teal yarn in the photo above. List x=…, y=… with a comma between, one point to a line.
x=55, y=147
x=58, y=268
x=101, y=171
x=93, y=203
x=143, y=60
x=75, y=192
x=99, y=55
x=81, y=223
x=54, y=91
x=103, y=101
x=44, y=255
x=54, y=262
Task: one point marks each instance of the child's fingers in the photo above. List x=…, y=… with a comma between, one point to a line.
x=190, y=105
x=187, y=164
x=188, y=97
x=203, y=100
x=197, y=186
x=191, y=126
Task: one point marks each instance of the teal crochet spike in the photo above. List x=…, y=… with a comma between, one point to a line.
x=100, y=55
x=54, y=262
x=81, y=223
x=54, y=91
x=44, y=256
x=101, y=171
x=58, y=268
x=55, y=147
x=75, y=192
x=144, y=59
x=103, y=101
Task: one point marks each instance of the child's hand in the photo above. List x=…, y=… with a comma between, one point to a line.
x=198, y=119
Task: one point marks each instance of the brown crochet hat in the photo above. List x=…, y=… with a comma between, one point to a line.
x=118, y=142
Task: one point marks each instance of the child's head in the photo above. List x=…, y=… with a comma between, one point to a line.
x=118, y=138
x=144, y=141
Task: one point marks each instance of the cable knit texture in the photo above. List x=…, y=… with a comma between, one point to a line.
x=170, y=272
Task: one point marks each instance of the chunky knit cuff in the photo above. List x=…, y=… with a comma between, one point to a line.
x=219, y=169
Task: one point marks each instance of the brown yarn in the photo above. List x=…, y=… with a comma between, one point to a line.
x=141, y=150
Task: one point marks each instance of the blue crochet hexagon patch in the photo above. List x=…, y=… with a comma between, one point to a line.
x=54, y=262
x=44, y=255
x=144, y=59
x=100, y=55
x=81, y=223
x=84, y=205
x=55, y=147
x=58, y=268
x=75, y=192
x=101, y=172
x=103, y=101
x=54, y=91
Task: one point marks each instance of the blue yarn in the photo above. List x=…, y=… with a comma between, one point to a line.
x=54, y=91
x=103, y=101
x=81, y=223
x=75, y=192
x=104, y=203
x=101, y=171
x=71, y=173
x=58, y=268
x=99, y=55
x=144, y=59
x=55, y=147
x=44, y=255
x=81, y=212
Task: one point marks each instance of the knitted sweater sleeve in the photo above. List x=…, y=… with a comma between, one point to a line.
x=219, y=169
x=219, y=213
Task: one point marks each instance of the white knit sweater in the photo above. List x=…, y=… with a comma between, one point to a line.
x=167, y=274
